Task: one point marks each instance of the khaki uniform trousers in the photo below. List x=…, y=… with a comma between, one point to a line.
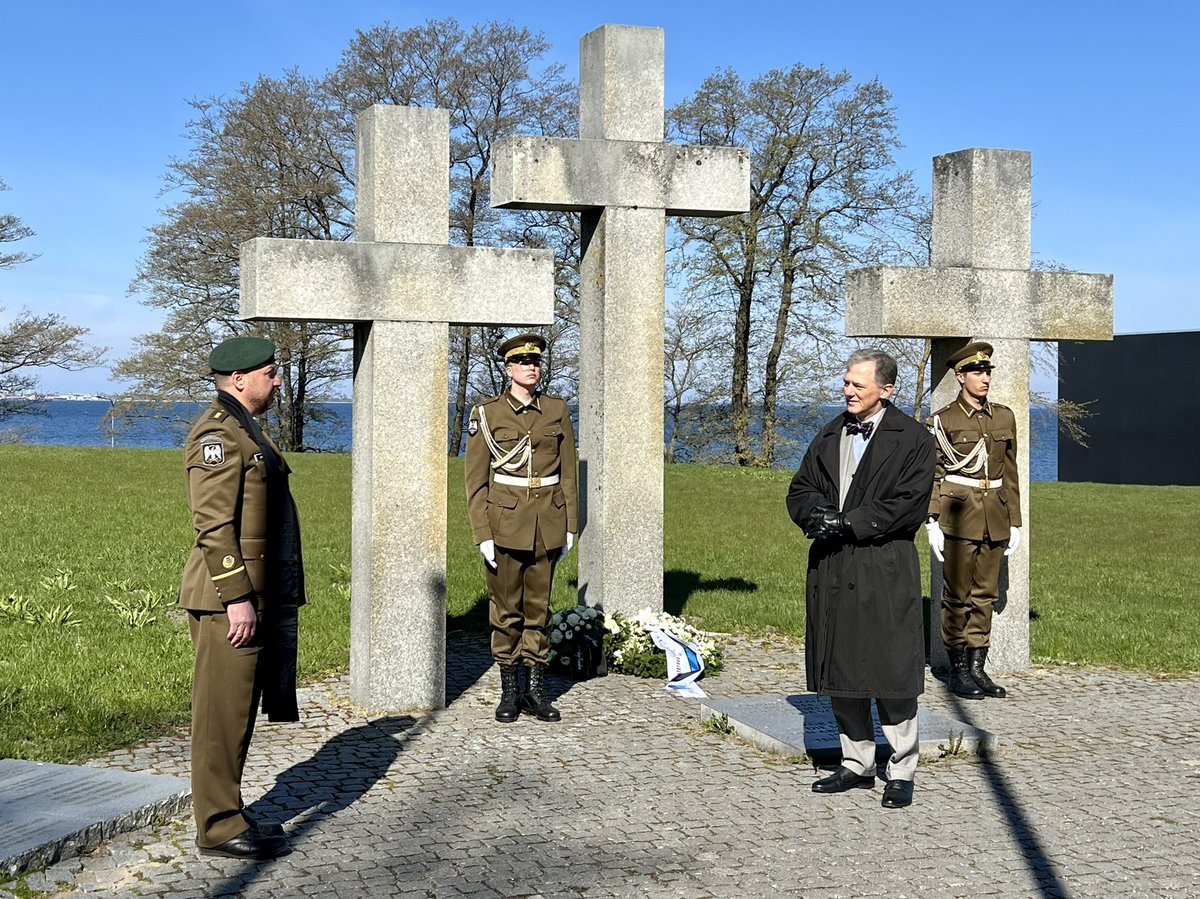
x=225, y=695
x=856, y=733
x=970, y=588
x=519, y=607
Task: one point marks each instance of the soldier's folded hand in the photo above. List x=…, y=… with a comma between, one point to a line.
x=487, y=549
x=1014, y=541
x=243, y=620
x=937, y=539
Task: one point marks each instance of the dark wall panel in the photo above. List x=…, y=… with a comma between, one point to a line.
x=1146, y=393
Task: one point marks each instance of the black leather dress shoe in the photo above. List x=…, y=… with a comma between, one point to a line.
x=250, y=844
x=843, y=779
x=898, y=794
x=266, y=828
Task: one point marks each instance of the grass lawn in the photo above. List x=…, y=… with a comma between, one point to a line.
x=80, y=526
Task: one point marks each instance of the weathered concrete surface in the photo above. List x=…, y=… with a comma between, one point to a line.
x=328, y=280
x=1091, y=794
x=552, y=173
x=979, y=287
x=624, y=181
x=401, y=285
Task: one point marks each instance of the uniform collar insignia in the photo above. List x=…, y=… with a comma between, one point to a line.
x=517, y=406
x=970, y=411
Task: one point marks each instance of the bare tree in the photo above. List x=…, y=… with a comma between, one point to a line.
x=694, y=341
x=824, y=197
x=494, y=82
x=12, y=229
x=265, y=162
x=33, y=342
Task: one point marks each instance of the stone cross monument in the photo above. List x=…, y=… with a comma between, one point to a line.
x=624, y=180
x=401, y=285
x=979, y=287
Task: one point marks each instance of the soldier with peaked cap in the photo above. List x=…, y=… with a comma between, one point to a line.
x=522, y=502
x=974, y=515
x=242, y=585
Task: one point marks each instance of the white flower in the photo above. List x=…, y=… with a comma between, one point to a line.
x=573, y=620
x=555, y=637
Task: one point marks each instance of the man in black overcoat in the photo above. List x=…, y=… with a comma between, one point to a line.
x=861, y=494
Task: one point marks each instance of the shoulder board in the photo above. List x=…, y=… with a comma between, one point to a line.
x=218, y=414
x=488, y=401
x=946, y=408
x=999, y=406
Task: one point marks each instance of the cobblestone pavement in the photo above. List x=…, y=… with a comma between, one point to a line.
x=1093, y=793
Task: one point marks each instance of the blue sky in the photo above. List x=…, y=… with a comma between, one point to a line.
x=93, y=104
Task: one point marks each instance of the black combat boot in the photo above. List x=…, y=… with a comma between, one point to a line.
x=510, y=701
x=534, y=701
x=976, y=658
x=960, y=682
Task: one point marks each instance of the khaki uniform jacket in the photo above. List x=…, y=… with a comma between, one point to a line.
x=972, y=513
x=227, y=493
x=512, y=515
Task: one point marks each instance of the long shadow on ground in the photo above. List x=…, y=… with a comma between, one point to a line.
x=1034, y=851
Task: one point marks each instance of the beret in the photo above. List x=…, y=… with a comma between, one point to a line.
x=241, y=354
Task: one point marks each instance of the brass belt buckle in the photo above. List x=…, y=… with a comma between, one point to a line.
x=983, y=484
x=535, y=483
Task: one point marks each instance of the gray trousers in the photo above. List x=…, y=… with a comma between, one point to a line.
x=898, y=720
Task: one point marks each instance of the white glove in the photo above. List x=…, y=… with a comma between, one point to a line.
x=487, y=549
x=937, y=540
x=567, y=547
x=1014, y=541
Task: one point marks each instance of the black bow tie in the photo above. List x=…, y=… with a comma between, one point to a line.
x=854, y=426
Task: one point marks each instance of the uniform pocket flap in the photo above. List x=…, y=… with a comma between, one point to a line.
x=552, y=430
x=504, y=499
x=1002, y=435
x=955, y=491
x=505, y=433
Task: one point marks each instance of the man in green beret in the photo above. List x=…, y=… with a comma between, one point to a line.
x=974, y=515
x=242, y=586
x=522, y=502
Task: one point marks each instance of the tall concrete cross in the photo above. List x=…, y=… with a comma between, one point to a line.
x=979, y=287
x=401, y=285
x=625, y=181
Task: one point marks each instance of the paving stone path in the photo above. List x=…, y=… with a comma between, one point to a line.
x=1094, y=793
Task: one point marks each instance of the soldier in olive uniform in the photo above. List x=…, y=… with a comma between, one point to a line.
x=974, y=515
x=242, y=585
x=522, y=503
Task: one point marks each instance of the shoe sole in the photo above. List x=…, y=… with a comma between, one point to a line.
x=858, y=786
x=256, y=856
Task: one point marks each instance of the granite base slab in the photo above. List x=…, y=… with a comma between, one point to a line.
x=803, y=724
x=49, y=812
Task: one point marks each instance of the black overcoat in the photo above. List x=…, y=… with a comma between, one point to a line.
x=865, y=631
